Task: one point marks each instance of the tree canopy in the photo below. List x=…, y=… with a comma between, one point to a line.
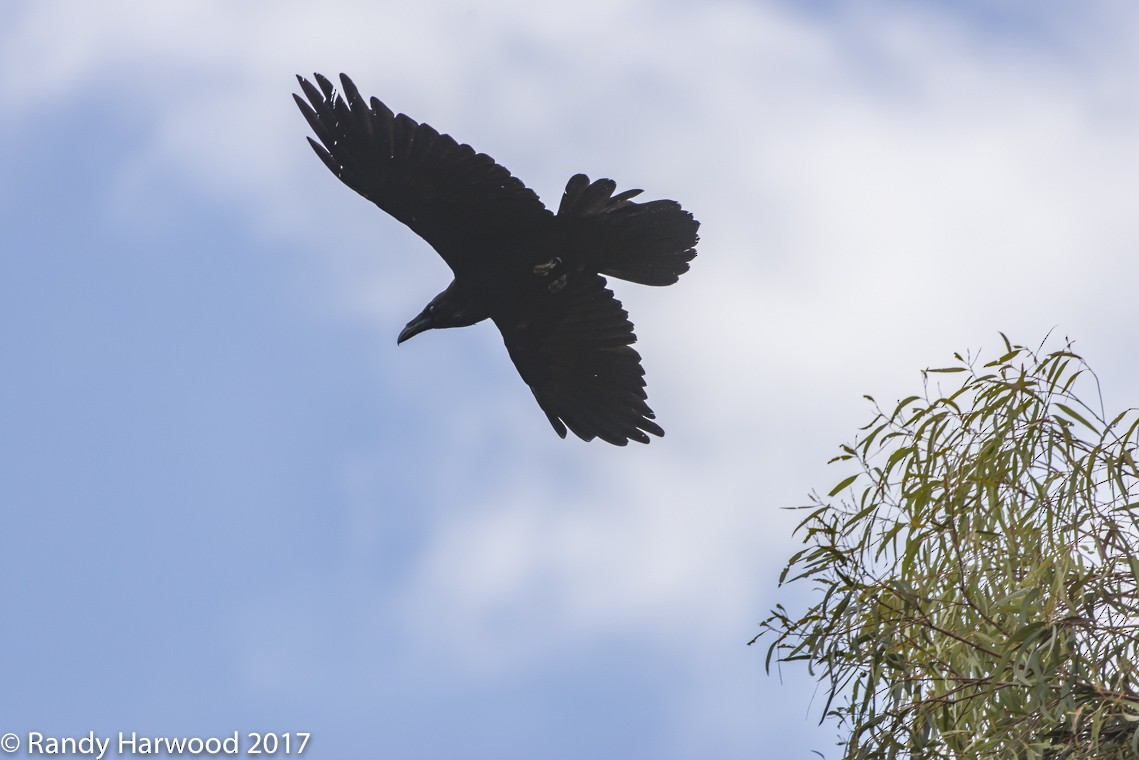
x=973, y=582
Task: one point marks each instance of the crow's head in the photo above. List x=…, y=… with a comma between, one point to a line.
x=454, y=307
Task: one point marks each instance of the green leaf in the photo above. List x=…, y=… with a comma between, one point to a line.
x=842, y=485
x=1074, y=415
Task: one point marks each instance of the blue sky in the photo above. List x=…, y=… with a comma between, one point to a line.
x=228, y=501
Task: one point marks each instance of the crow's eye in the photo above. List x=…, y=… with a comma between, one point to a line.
x=430, y=308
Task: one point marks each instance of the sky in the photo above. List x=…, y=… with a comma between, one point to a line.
x=229, y=502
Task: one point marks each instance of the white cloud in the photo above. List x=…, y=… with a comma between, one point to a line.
x=860, y=222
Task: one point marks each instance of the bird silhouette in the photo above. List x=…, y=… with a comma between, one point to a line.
x=539, y=276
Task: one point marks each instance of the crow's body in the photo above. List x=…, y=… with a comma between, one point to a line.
x=536, y=274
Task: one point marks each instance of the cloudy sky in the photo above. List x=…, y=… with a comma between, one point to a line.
x=228, y=501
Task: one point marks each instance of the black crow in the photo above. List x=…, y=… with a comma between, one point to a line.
x=536, y=274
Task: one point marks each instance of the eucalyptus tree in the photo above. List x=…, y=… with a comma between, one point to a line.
x=969, y=586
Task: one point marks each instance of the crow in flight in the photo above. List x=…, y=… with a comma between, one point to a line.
x=536, y=274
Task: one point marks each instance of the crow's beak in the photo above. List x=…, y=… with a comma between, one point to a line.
x=414, y=327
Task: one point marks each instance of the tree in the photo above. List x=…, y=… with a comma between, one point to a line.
x=976, y=579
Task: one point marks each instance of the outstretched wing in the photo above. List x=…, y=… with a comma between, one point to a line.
x=575, y=352
x=459, y=201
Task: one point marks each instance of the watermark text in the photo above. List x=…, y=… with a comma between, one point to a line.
x=132, y=743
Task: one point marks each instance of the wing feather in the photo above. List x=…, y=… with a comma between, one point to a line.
x=459, y=201
x=575, y=352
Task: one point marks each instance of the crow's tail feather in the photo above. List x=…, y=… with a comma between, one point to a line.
x=647, y=243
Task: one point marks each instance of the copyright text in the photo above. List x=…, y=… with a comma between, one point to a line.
x=130, y=743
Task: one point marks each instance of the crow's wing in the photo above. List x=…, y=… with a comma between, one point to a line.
x=459, y=201
x=575, y=353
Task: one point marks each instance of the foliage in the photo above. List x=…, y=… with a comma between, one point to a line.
x=977, y=577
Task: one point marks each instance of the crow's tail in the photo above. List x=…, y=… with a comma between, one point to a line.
x=648, y=243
